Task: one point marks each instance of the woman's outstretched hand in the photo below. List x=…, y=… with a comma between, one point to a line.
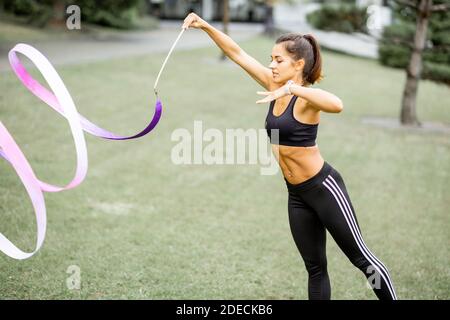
x=194, y=21
x=273, y=95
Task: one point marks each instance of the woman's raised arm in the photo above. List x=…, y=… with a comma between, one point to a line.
x=255, y=69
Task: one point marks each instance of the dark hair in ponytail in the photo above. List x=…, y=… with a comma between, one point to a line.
x=304, y=47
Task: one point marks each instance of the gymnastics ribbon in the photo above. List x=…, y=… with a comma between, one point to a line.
x=60, y=100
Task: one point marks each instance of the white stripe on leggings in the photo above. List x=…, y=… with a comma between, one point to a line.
x=365, y=251
x=355, y=226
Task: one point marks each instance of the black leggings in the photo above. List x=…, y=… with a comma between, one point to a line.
x=322, y=203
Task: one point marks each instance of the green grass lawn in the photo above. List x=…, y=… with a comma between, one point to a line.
x=141, y=227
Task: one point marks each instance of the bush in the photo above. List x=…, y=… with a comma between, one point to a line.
x=437, y=72
x=344, y=17
x=121, y=14
x=394, y=47
x=394, y=56
x=19, y=7
x=32, y=12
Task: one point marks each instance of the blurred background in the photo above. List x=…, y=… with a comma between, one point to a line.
x=143, y=227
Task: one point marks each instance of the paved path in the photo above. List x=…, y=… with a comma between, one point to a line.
x=292, y=18
x=120, y=44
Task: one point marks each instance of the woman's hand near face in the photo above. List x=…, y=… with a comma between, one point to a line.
x=273, y=95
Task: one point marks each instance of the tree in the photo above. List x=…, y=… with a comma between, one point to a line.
x=269, y=27
x=59, y=12
x=423, y=9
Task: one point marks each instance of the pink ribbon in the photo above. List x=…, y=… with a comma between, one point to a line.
x=61, y=101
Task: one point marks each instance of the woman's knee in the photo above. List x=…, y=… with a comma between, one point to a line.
x=316, y=268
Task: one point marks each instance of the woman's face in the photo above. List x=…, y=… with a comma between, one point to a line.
x=283, y=67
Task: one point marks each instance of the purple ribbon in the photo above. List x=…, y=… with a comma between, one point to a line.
x=61, y=101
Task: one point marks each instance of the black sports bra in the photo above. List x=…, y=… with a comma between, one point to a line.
x=291, y=131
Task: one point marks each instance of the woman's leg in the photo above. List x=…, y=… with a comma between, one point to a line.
x=333, y=205
x=310, y=237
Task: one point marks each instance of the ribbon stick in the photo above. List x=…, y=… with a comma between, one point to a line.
x=167, y=58
x=60, y=100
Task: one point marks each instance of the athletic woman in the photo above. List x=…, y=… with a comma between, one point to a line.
x=318, y=199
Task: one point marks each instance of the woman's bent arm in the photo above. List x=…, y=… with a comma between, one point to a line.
x=223, y=41
x=232, y=50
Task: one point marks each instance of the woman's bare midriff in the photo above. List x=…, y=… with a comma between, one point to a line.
x=298, y=164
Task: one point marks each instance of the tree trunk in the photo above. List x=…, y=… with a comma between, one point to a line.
x=408, y=114
x=269, y=28
x=225, y=21
x=59, y=13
